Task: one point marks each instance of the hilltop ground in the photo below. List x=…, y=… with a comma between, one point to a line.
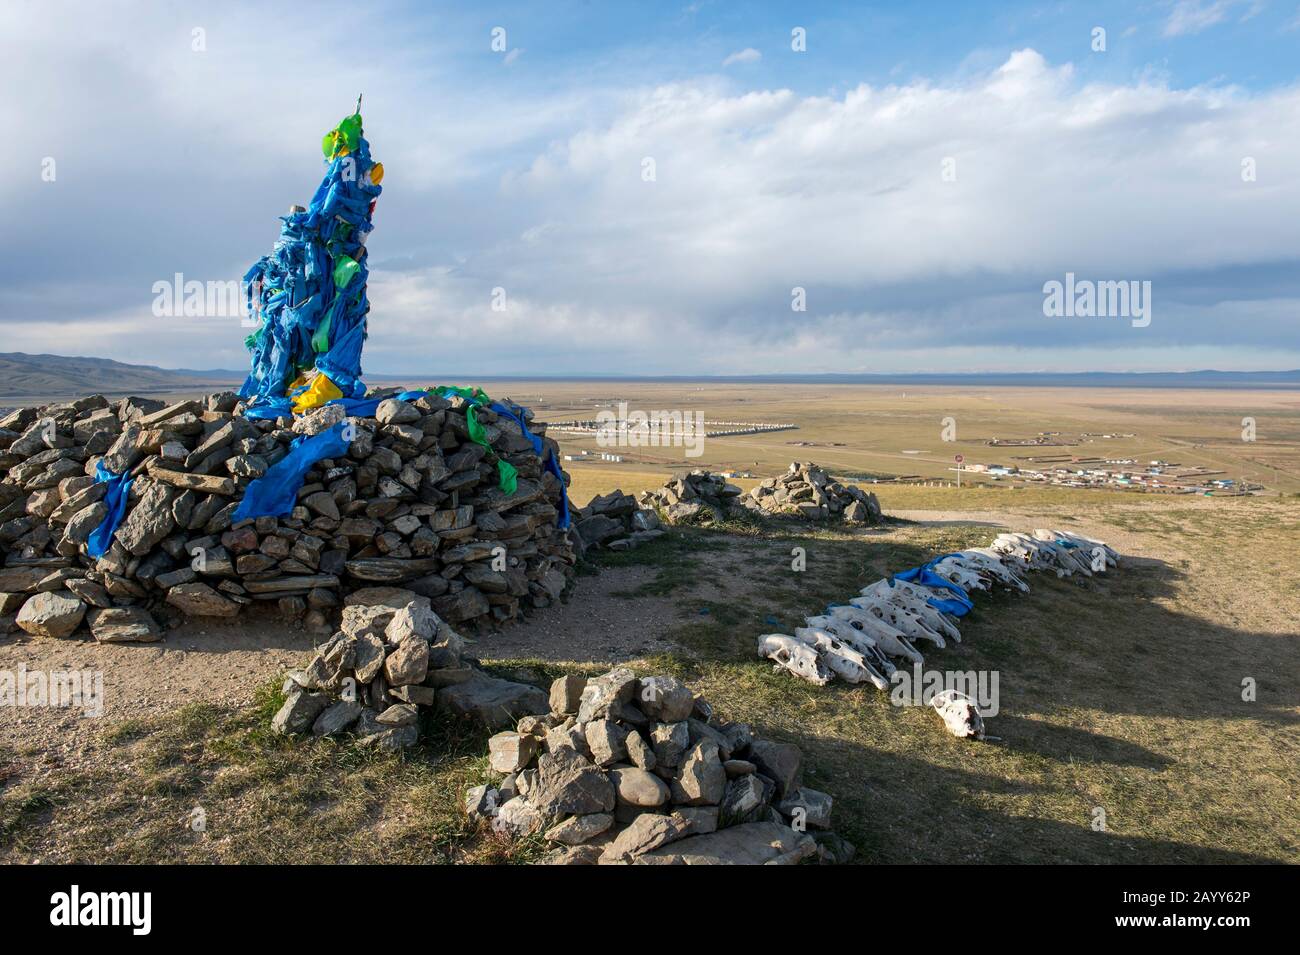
x=1122, y=693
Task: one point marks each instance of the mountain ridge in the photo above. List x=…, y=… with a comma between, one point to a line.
x=45, y=375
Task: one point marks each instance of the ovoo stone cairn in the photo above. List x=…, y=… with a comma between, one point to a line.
x=391, y=656
x=413, y=501
x=697, y=497
x=615, y=521
x=805, y=491
x=624, y=770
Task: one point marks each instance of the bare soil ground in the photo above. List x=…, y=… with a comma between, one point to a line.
x=207, y=661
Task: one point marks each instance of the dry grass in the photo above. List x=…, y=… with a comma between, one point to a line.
x=1122, y=693
x=264, y=798
x=870, y=429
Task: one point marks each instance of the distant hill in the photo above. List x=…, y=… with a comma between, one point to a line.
x=59, y=376
x=51, y=376
x=1280, y=380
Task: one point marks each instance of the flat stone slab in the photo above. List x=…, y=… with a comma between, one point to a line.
x=391, y=569
x=277, y=584
x=194, y=482
x=495, y=703
x=754, y=843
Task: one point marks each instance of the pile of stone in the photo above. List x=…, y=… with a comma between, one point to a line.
x=413, y=501
x=697, y=497
x=808, y=492
x=615, y=521
x=804, y=491
x=392, y=656
x=624, y=770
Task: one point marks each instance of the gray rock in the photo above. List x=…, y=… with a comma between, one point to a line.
x=639, y=752
x=336, y=717
x=200, y=600
x=399, y=714
x=701, y=819
x=746, y=799
x=603, y=695
x=89, y=591
x=807, y=806
x=568, y=783
x=149, y=521
x=636, y=787
x=520, y=816
x=84, y=522
x=585, y=854
x=299, y=711
x=579, y=829
x=414, y=693
x=395, y=411
x=369, y=656
x=123, y=625
x=756, y=843
x=415, y=619
x=702, y=730
x=606, y=740
x=408, y=662
x=566, y=694
x=599, y=529
x=666, y=699
x=319, y=419
x=645, y=520
x=567, y=735
x=739, y=736
x=701, y=781
x=51, y=614
x=780, y=762
x=646, y=833
x=481, y=802
x=369, y=732
x=392, y=569
x=494, y=703
x=510, y=752
x=19, y=579
x=670, y=742
x=465, y=605
x=323, y=504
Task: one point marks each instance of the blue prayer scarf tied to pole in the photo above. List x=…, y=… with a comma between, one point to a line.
x=311, y=290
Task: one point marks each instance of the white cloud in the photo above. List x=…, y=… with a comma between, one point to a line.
x=1193, y=16
x=170, y=162
x=747, y=55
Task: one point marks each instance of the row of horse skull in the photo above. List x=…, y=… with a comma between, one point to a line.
x=891, y=619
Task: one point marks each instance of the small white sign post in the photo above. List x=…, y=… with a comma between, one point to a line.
x=959, y=459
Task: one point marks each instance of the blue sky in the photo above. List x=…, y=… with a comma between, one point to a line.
x=920, y=171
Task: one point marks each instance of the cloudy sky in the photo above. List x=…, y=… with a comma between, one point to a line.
x=919, y=170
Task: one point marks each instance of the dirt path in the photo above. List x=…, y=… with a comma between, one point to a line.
x=225, y=662
x=595, y=625
x=202, y=660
